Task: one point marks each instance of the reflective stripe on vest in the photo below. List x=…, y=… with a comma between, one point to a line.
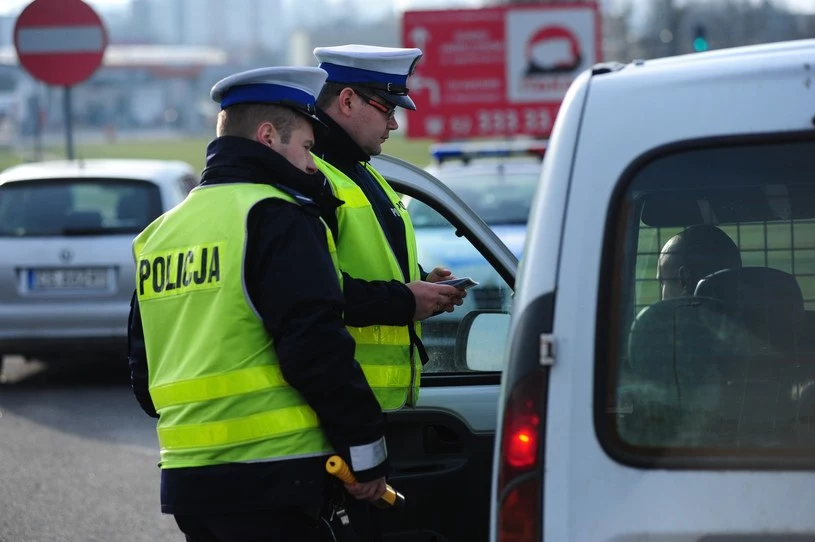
x=206, y=388
x=215, y=381
x=251, y=380
x=392, y=335
x=364, y=252
x=258, y=426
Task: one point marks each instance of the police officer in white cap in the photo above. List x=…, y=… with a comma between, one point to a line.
x=237, y=343
x=384, y=284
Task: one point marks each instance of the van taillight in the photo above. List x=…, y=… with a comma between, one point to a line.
x=522, y=441
x=519, y=477
x=519, y=514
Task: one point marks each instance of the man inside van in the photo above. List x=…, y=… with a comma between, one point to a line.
x=691, y=255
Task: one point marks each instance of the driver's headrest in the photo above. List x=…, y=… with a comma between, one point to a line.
x=684, y=338
x=769, y=300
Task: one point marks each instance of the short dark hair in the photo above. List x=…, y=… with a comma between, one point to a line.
x=242, y=119
x=329, y=93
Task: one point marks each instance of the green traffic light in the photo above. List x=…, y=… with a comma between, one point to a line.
x=699, y=45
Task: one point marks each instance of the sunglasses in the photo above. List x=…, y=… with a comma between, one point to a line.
x=389, y=112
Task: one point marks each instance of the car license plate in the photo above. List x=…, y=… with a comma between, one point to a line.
x=68, y=279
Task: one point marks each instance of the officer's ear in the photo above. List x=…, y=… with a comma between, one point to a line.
x=266, y=134
x=346, y=101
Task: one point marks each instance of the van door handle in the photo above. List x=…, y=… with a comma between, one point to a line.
x=440, y=439
x=421, y=468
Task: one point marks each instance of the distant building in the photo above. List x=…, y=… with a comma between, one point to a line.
x=137, y=86
x=230, y=24
x=7, y=30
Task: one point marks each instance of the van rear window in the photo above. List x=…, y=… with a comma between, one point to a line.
x=712, y=310
x=77, y=207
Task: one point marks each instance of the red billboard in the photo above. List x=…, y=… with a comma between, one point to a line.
x=498, y=71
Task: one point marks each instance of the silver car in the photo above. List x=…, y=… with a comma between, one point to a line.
x=66, y=270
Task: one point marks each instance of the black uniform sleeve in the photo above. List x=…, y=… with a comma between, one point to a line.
x=137, y=359
x=292, y=283
x=388, y=303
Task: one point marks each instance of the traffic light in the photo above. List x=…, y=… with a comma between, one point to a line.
x=699, y=39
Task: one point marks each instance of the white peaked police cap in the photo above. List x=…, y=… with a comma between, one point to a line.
x=384, y=70
x=294, y=87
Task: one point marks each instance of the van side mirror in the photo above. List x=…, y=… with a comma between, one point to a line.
x=481, y=341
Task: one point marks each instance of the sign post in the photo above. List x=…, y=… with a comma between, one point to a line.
x=497, y=72
x=67, y=113
x=61, y=43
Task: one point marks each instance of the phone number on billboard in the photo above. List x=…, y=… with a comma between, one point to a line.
x=503, y=121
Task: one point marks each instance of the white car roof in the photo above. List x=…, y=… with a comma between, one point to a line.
x=157, y=171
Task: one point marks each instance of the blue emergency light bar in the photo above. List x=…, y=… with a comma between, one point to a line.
x=466, y=151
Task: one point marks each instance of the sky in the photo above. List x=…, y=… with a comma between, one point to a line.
x=12, y=7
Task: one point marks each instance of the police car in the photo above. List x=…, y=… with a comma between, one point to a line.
x=66, y=275
x=497, y=180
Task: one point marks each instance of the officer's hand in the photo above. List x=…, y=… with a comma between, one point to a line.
x=369, y=491
x=433, y=298
x=439, y=273
x=455, y=300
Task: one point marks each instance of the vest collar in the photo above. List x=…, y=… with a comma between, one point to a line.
x=231, y=159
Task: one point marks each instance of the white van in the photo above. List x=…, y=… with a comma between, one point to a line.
x=624, y=416
x=628, y=411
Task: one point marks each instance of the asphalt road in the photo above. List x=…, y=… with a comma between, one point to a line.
x=77, y=457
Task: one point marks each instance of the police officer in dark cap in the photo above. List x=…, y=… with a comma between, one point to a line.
x=237, y=343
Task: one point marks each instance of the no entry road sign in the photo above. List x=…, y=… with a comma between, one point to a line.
x=60, y=42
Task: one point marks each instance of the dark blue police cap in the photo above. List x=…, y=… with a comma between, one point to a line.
x=384, y=70
x=293, y=87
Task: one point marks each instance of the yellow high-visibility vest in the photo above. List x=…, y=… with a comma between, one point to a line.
x=214, y=376
x=364, y=253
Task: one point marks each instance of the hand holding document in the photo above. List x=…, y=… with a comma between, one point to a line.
x=463, y=283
